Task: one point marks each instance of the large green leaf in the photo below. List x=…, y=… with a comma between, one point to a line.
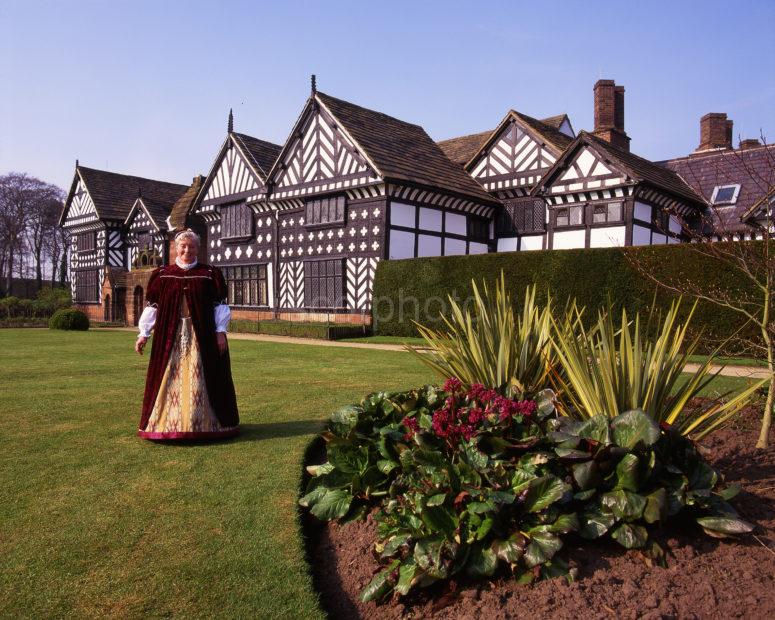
x=349, y=459
x=320, y=470
x=406, y=575
x=333, y=505
x=596, y=429
x=427, y=555
x=381, y=585
x=586, y=475
x=656, y=506
x=628, y=473
x=595, y=522
x=624, y=505
x=543, y=492
x=394, y=544
x=510, y=549
x=440, y=519
x=312, y=498
x=724, y=526
x=542, y=547
x=345, y=420
x=482, y=563
x=634, y=428
x=630, y=535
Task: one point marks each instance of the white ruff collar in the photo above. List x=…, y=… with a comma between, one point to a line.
x=185, y=266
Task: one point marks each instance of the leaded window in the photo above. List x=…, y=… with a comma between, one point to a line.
x=604, y=213
x=87, y=242
x=329, y=210
x=478, y=228
x=144, y=241
x=86, y=287
x=569, y=216
x=324, y=283
x=236, y=221
x=247, y=285
x=522, y=216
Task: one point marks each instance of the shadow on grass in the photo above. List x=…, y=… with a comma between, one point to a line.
x=278, y=430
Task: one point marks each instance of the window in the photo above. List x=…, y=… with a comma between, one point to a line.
x=87, y=242
x=247, y=285
x=144, y=241
x=525, y=216
x=569, y=216
x=478, y=228
x=236, y=221
x=725, y=194
x=86, y=286
x=611, y=212
x=324, y=283
x=328, y=210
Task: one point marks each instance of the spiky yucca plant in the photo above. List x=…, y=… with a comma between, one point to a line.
x=611, y=369
x=492, y=345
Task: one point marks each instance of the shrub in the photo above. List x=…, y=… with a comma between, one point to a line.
x=69, y=319
x=611, y=369
x=469, y=481
x=490, y=344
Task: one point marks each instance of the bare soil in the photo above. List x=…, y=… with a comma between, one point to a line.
x=704, y=577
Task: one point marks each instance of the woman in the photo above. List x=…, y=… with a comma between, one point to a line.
x=189, y=393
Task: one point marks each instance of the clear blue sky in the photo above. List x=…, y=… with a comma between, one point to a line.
x=145, y=87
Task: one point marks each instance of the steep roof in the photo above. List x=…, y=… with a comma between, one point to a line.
x=262, y=153
x=638, y=168
x=463, y=149
x=183, y=205
x=460, y=150
x=114, y=194
x=752, y=168
x=402, y=151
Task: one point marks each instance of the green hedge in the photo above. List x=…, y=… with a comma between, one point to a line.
x=417, y=289
x=324, y=331
x=69, y=319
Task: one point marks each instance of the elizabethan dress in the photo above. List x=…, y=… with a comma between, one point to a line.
x=189, y=393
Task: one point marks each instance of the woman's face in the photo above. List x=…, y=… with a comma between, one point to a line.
x=188, y=249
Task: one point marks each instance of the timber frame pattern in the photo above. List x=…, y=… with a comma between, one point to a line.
x=299, y=229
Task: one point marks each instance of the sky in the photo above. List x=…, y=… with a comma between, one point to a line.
x=145, y=88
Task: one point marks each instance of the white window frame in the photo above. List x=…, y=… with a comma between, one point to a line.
x=726, y=203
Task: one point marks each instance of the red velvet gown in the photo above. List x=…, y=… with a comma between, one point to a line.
x=189, y=393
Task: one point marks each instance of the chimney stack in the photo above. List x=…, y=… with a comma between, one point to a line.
x=715, y=132
x=749, y=143
x=609, y=114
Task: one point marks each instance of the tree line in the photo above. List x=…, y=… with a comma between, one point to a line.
x=31, y=241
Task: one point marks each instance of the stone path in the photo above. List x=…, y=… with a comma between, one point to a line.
x=749, y=372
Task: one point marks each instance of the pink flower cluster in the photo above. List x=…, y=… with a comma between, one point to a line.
x=465, y=411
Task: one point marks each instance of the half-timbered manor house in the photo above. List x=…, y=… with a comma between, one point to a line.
x=299, y=229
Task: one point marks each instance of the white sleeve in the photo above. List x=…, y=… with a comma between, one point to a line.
x=222, y=317
x=147, y=321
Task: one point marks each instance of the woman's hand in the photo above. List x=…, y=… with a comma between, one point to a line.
x=140, y=344
x=220, y=337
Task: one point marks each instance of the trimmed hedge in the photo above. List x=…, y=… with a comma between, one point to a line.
x=324, y=331
x=417, y=289
x=69, y=319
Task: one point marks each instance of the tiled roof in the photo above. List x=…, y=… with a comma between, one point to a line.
x=644, y=170
x=114, y=194
x=183, y=204
x=263, y=153
x=753, y=169
x=402, y=151
x=461, y=150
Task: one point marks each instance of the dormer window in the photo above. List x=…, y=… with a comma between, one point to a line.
x=725, y=195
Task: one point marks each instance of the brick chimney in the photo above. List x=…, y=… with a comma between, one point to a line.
x=609, y=114
x=715, y=132
x=749, y=143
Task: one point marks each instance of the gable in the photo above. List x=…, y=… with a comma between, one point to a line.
x=138, y=219
x=515, y=158
x=81, y=208
x=320, y=152
x=584, y=170
x=234, y=179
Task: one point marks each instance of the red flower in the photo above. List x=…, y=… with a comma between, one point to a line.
x=452, y=385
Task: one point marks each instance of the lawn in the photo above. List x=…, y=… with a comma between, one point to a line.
x=95, y=522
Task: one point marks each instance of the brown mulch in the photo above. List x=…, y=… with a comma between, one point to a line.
x=704, y=578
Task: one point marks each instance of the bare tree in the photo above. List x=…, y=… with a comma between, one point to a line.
x=28, y=210
x=745, y=248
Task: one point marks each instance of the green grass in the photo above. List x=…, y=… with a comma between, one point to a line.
x=730, y=361
x=95, y=522
x=386, y=340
